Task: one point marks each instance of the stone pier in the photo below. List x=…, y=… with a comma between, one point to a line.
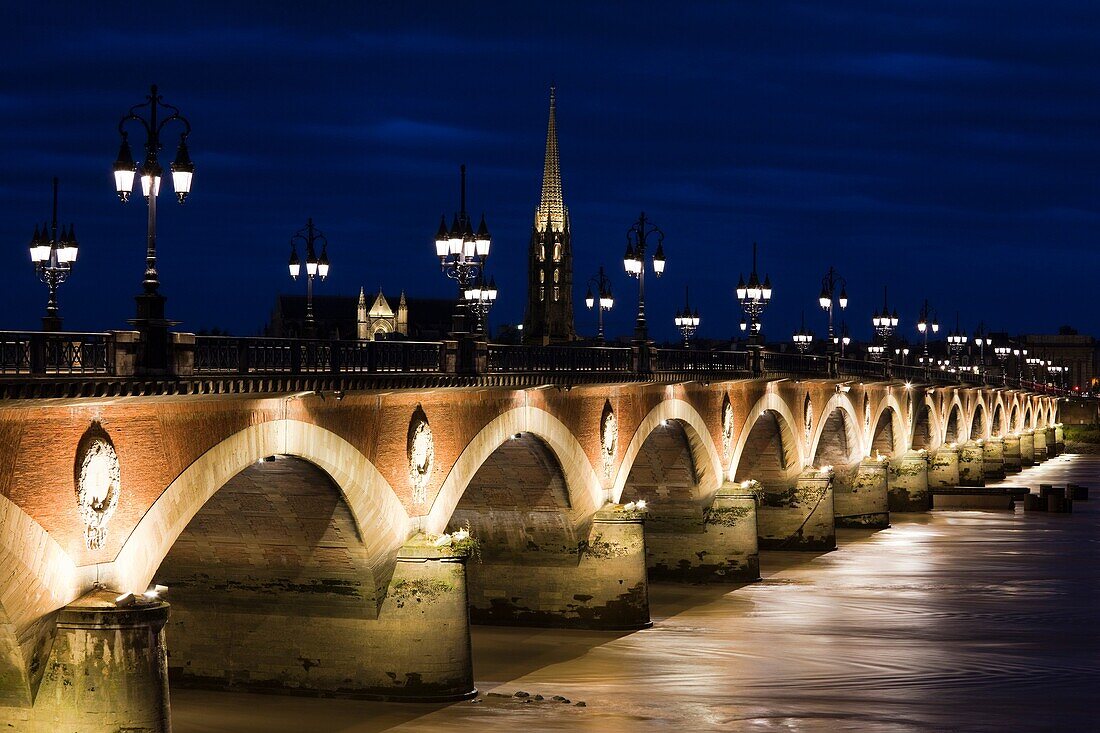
x=601, y=585
x=1040, y=443
x=1012, y=453
x=943, y=469
x=971, y=471
x=993, y=458
x=1027, y=448
x=718, y=547
x=907, y=482
x=861, y=500
x=415, y=646
x=1060, y=438
x=1051, y=441
x=107, y=671
x=801, y=517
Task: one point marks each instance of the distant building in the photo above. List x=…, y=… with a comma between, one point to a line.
x=1076, y=352
x=549, y=314
x=343, y=317
x=380, y=320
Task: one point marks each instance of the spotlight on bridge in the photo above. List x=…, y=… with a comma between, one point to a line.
x=517, y=436
x=125, y=600
x=845, y=388
x=155, y=592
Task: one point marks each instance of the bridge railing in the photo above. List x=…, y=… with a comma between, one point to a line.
x=775, y=362
x=516, y=358
x=227, y=355
x=711, y=362
x=35, y=353
x=910, y=372
x=858, y=368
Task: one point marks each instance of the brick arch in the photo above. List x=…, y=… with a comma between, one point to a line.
x=708, y=461
x=586, y=495
x=979, y=425
x=1029, y=417
x=39, y=578
x=997, y=424
x=383, y=522
x=839, y=406
x=955, y=409
x=1014, y=418
x=888, y=406
x=931, y=418
x=790, y=445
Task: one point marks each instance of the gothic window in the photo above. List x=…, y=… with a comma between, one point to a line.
x=542, y=294
x=555, y=275
x=557, y=294
x=557, y=252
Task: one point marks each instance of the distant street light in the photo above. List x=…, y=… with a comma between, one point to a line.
x=982, y=339
x=927, y=324
x=480, y=297
x=802, y=338
x=956, y=341
x=603, y=295
x=53, y=255
x=150, y=304
x=754, y=298
x=842, y=339
x=308, y=237
x=637, y=239
x=687, y=321
x=462, y=254
x=885, y=323
x=829, y=284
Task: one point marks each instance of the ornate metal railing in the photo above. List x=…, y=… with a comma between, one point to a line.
x=859, y=368
x=505, y=358
x=774, y=362
x=34, y=353
x=221, y=355
x=713, y=362
x=909, y=372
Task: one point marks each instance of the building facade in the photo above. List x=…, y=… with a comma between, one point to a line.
x=380, y=320
x=549, y=314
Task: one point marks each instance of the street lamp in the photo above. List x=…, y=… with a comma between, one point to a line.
x=606, y=301
x=754, y=298
x=480, y=297
x=637, y=237
x=885, y=323
x=688, y=321
x=902, y=354
x=53, y=255
x=150, y=304
x=956, y=340
x=1002, y=353
x=982, y=339
x=829, y=284
x=316, y=266
x=802, y=338
x=843, y=339
x=462, y=254
x=1035, y=363
x=927, y=323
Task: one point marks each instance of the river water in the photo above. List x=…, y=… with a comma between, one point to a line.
x=968, y=621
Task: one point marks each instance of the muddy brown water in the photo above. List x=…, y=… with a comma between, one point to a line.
x=969, y=621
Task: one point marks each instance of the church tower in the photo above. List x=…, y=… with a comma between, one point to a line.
x=549, y=315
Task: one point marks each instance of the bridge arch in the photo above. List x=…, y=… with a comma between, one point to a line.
x=954, y=431
x=887, y=429
x=768, y=448
x=704, y=454
x=380, y=517
x=586, y=495
x=927, y=427
x=1029, y=421
x=978, y=426
x=837, y=440
x=1014, y=418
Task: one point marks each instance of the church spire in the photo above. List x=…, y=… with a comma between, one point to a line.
x=551, y=209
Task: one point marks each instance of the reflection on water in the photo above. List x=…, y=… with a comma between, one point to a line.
x=978, y=621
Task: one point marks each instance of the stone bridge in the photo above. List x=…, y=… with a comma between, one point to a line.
x=314, y=541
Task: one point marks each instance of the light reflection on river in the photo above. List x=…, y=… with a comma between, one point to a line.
x=977, y=621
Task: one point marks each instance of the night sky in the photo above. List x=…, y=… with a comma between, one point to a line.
x=947, y=149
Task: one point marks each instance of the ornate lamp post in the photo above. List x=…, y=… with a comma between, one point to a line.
x=902, y=354
x=956, y=341
x=802, y=338
x=479, y=300
x=637, y=238
x=843, y=339
x=606, y=301
x=754, y=298
x=885, y=323
x=153, y=116
x=928, y=323
x=316, y=266
x=1035, y=363
x=688, y=321
x=829, y=284
x=982, y=339
x=462, y=254
x=1001, y=353
x=53, y=256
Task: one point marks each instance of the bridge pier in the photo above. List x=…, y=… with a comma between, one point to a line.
x=415, y=646
x=907, y=482
x=971, y=462
x=1040, y=444
x=800, y=517
x=864, y=502
x=107, y=671
x=1011, y=453
x=993, y=458
x=719, y=547
x=1051, y=436
x=1060, y=438
x=606, y=589
x=943, y=469
x=1027, y=448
